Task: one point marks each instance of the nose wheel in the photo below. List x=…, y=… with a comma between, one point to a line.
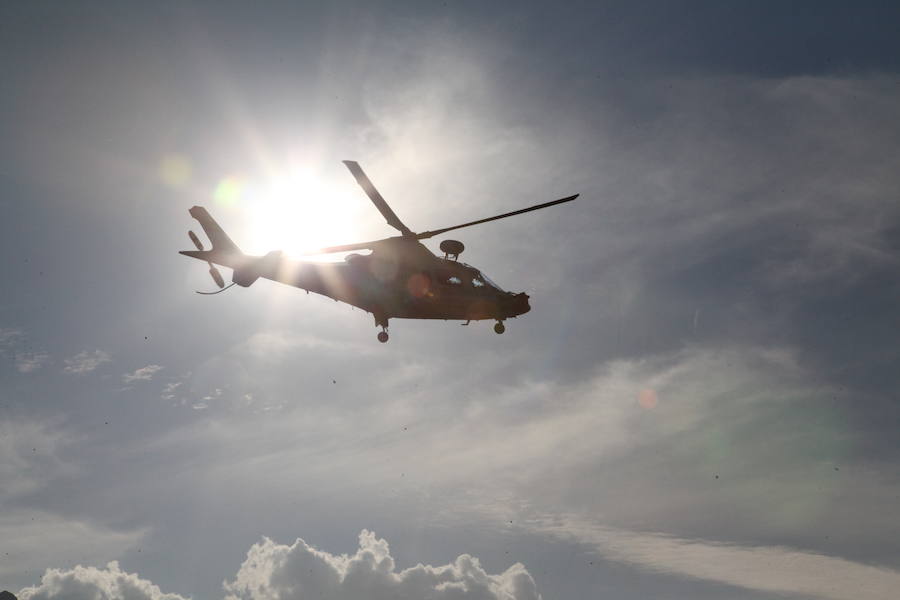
x=382, y=336
x=499, y=327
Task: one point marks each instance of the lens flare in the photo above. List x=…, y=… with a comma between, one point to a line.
x=648, y=399
x=229, y=191
x=175, y=170
x=418, y=285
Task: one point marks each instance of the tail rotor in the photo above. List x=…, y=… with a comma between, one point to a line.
x=213, y=271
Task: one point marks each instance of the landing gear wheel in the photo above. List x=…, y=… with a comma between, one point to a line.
x=499, y=327
x=381, y=320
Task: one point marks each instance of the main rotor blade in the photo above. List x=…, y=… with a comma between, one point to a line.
x=392, y=219
x=347, y=247
x=427, y=234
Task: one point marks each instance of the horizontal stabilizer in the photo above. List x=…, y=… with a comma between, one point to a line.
x=207, y=255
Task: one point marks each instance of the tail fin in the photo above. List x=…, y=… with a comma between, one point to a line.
x=221, y=243
x=223, y=252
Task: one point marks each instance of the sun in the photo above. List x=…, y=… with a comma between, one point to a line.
x=296, y=212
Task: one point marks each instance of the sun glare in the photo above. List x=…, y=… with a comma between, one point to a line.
x=297, y=212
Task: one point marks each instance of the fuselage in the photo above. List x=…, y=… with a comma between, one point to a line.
x=399, y=279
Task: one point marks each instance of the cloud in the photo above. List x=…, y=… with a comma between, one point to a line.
x=30, y=456
x=775, y=569
x=300, y=571
x=27, y=363
x=275, y=345
x=9, y=337
x=90, y=583
x=85, y=362
x=757, y=416
x=528, y=430
x=168, y=392
x=14, y=343
x=32, y=539
x=142, y=374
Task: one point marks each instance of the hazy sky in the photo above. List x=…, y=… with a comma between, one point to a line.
x=702, y=403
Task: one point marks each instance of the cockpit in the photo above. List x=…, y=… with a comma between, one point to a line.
x=463, y=275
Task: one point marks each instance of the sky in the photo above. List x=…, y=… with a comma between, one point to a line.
x=701, y=404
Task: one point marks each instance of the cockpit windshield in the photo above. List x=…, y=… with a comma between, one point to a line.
x=469, y=275
x=485, y=279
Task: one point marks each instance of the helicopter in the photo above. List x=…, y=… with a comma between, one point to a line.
x=400, y=278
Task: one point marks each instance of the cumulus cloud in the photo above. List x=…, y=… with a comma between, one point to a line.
x=85, y=362
x=142, y=374
x=300, y=571
x=91, y=583
x=33, y=539
x=34, y=456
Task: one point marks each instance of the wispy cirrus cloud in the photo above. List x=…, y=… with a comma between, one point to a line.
x=168, y=392
x=142, y=374
x=776, y=569
x=9, y=336
x=28, y=363
x=85, y=362
x=30, y=456
x=14, y=343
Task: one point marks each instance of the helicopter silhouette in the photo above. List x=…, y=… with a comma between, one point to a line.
x=401, y=278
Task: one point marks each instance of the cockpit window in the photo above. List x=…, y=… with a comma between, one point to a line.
x=485, y=279
x=454, y=280
x=477, y=282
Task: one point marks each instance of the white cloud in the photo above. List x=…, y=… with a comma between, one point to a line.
x=27, y=363
x=29, y=456
x=522, y=432
x=91, y=583
x=763, y=568
x=274, y=345
x=33, y=539
x=14, y=343
x=168, y=392
x=142, y=374
x=710, y=406
x=9, y=337
x=277, y=571
x=85, y=362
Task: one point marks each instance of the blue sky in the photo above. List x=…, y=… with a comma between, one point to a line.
x=702, y=402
